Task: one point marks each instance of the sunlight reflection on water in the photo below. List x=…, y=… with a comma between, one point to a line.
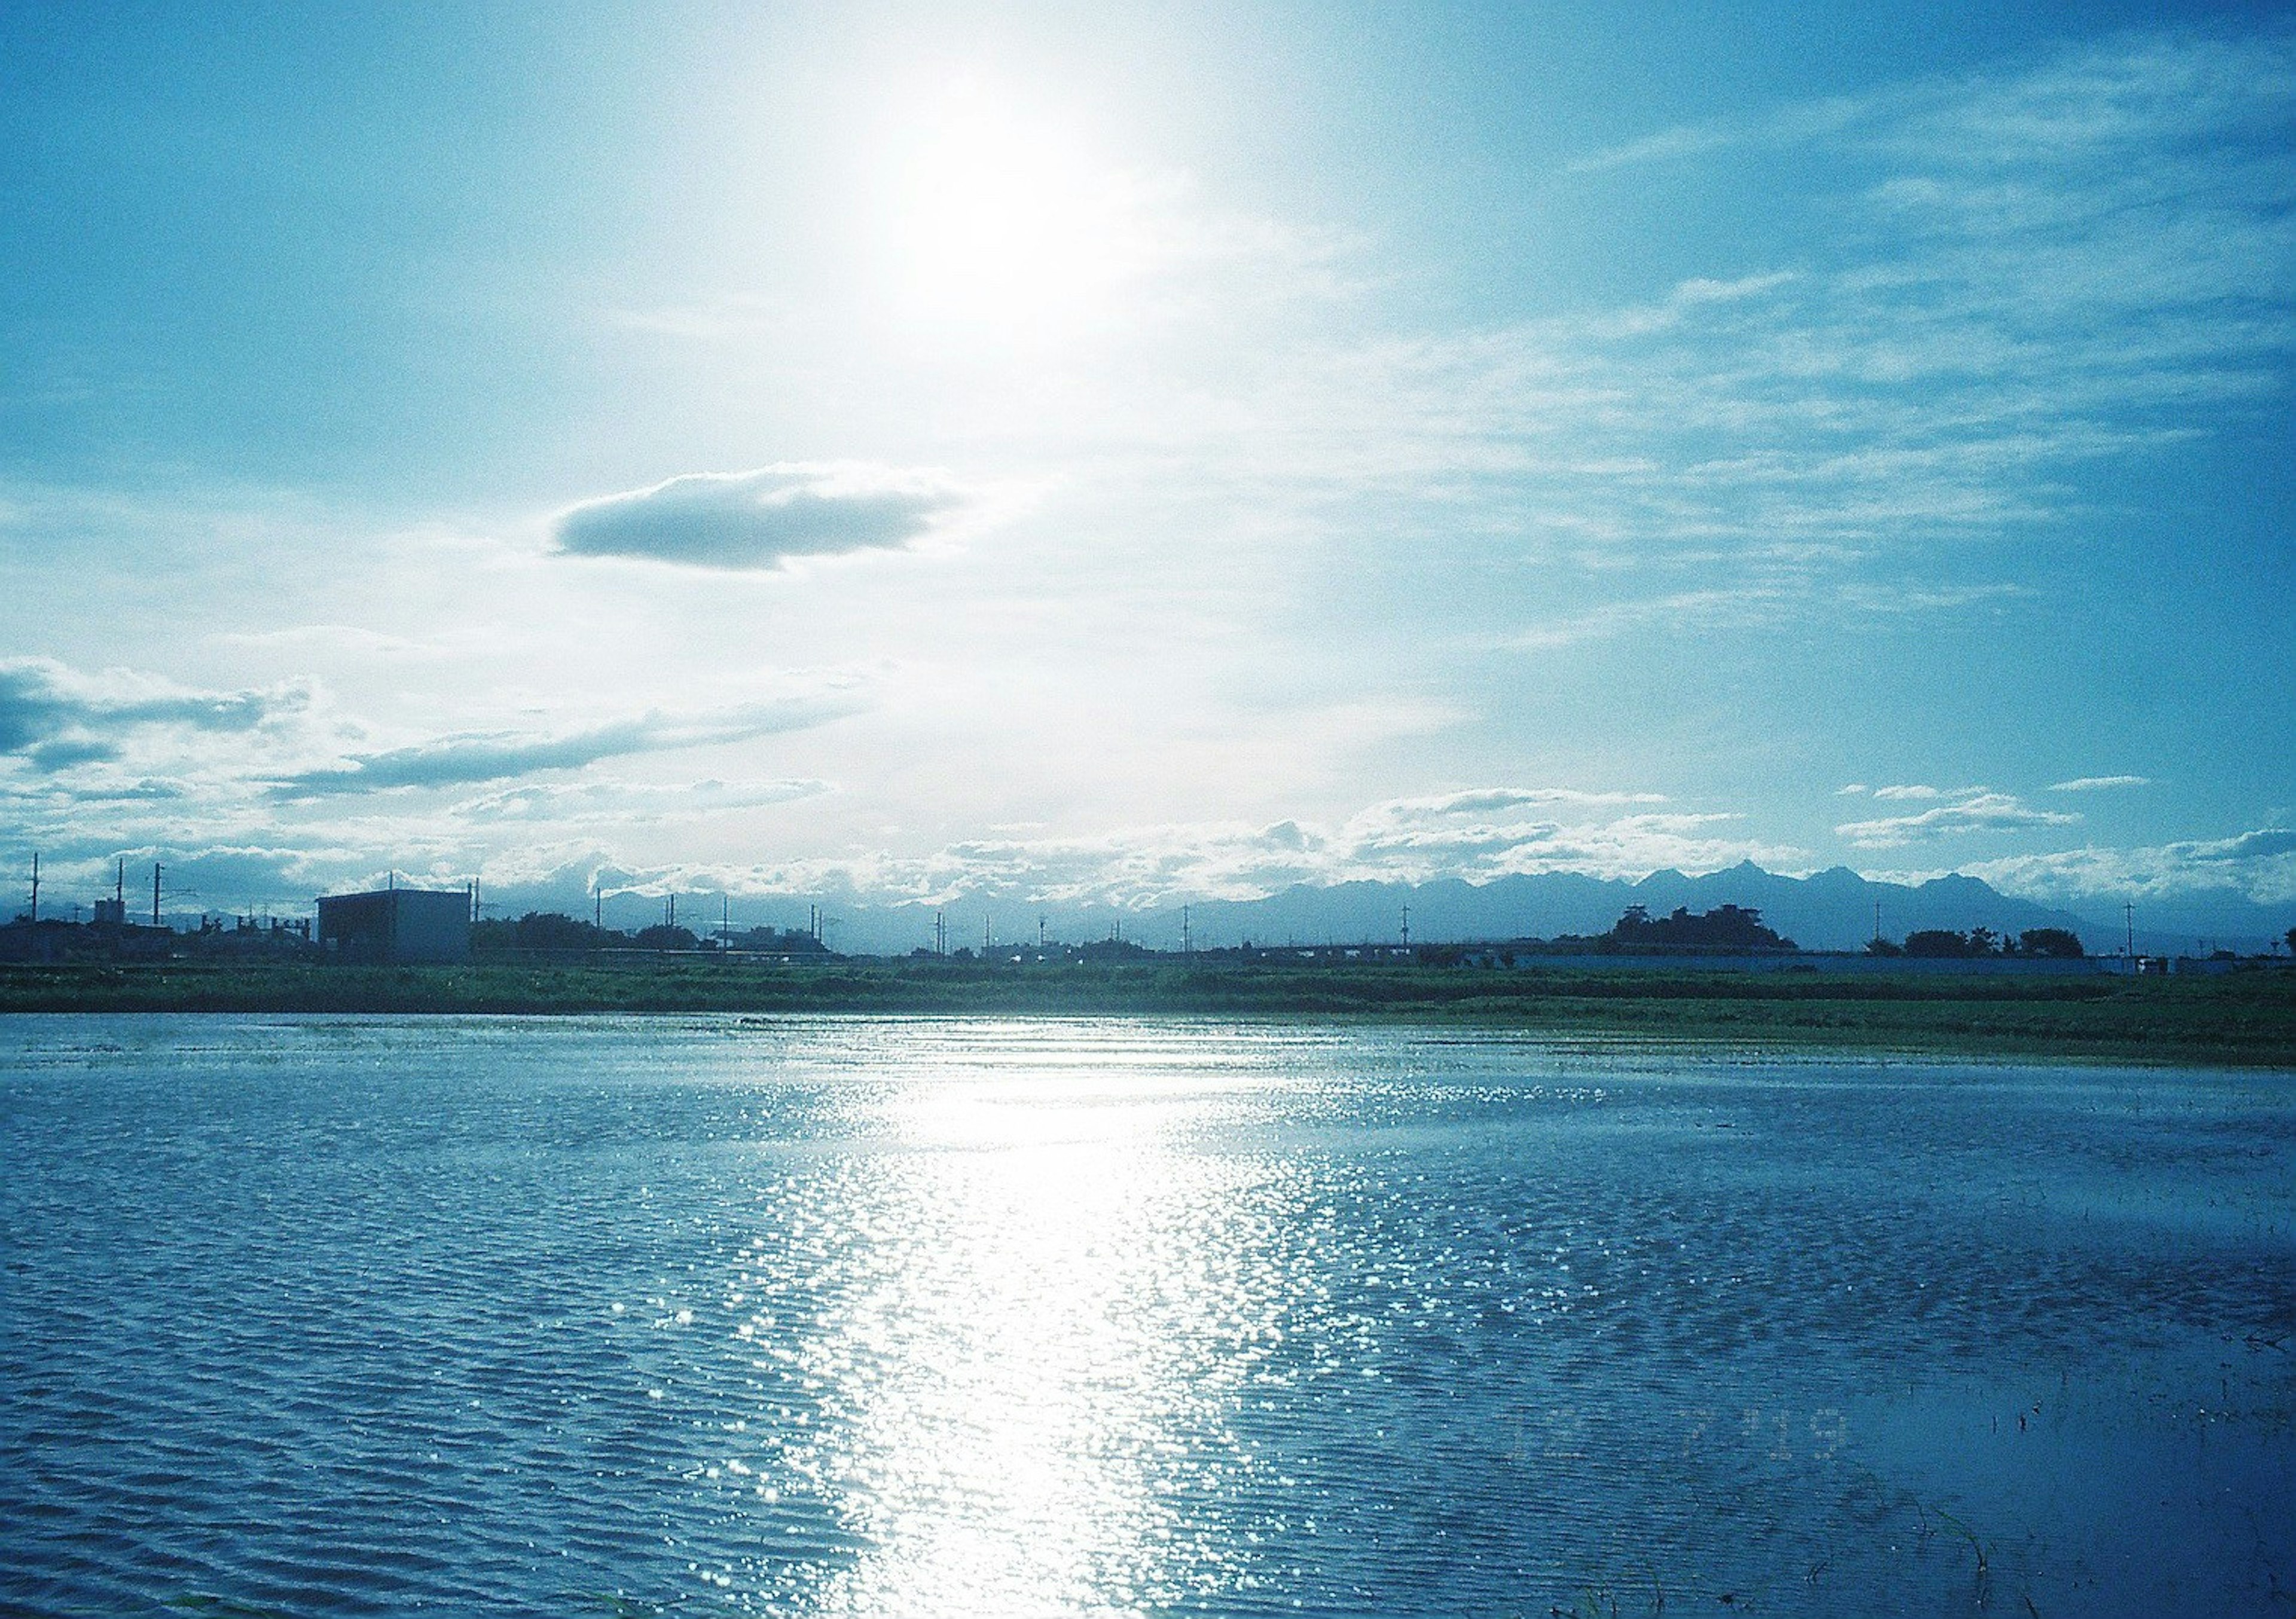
x=1054, y=1308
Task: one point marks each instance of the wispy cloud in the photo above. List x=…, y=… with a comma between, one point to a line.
x=2024, y=278
x=763, y=518
x=330, y=638
x=2094, y=784
x=1780, y=595
x=1488, y=800
x=2090, y=100
x=600, y=802
x=463, y=758
x=1784, y=127
x=1736, y=607
x=709, y=318
x=1977, y=810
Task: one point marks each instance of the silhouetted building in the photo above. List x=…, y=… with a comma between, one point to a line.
x=397, y=925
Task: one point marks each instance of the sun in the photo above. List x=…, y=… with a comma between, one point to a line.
x=1006, y=224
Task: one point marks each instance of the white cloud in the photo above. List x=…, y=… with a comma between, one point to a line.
x=2257, y=866
x=57, y=717
x=1479, y=835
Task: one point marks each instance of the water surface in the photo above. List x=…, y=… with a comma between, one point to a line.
x=848, y=1316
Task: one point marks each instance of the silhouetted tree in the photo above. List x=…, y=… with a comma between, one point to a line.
x=542, y=930
x=2050, y=942
x=494, y=935
x=786, y=941
x=1724, y=927
x=555, y=930
x=1936, y=941
x=666, y=935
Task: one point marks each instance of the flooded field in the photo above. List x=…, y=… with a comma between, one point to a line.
x=864, y=1316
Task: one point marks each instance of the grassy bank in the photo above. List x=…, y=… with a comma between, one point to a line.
x=2247, y=1019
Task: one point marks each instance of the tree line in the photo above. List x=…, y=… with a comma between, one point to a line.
x=1943, y=943
x=555, y=930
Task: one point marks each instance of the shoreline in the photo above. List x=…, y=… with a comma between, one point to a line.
x=2238, y=1021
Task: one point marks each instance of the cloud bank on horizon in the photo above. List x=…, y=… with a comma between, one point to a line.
x=1701, y=433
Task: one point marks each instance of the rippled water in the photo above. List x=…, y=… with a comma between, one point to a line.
x=885, y=1317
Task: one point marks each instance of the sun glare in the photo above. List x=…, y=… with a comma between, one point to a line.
x=1007, y=223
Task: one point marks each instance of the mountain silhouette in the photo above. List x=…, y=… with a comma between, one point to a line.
x=1830, y=910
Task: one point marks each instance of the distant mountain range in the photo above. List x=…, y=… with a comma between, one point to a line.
x=1832, y=910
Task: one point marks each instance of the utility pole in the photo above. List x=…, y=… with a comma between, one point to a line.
x=36, y=888
x=1040, y=933
x=1188, y=946
x=155, y=894
x=1406, y=925
x=1877, y=921
x=597, y=906
x=725, y=922
x=940, y=933
x=120, y=887
x=2129, y=910
x=984, y=932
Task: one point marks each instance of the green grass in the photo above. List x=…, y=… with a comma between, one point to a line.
x=2247, y=1019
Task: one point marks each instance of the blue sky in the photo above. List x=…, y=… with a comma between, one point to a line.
x=1061, y=453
